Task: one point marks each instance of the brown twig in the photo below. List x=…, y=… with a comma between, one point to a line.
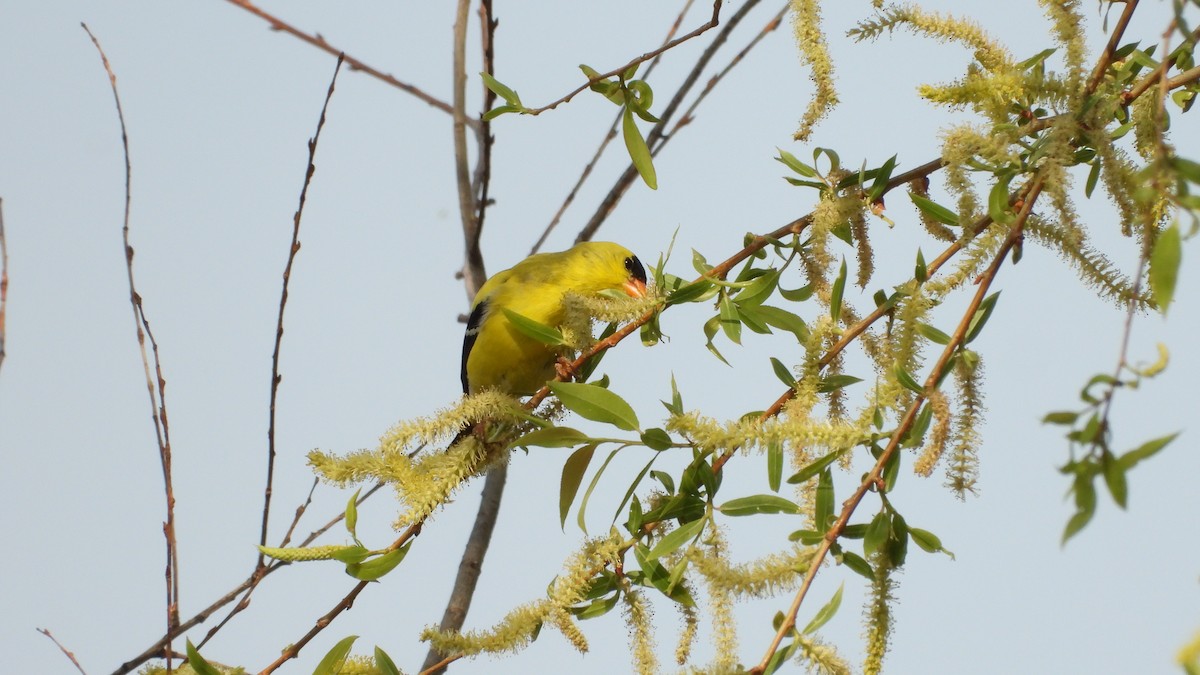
x=3, y=280
x=657, y=133
x=608, y=136
x=344, y=604
x=156, y=383
x=1186, y=77
x=70, y=655
x=293, y=249
x=712, y=23
x=440, y=666
x=1111, y=48
x=481, y=183
x=319, y=42
x=874, y=477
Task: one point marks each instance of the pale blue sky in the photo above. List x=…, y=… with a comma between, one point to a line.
x=219, y=110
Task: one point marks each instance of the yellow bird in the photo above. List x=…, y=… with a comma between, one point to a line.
x=496, y=355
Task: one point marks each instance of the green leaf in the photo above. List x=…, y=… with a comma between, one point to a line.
x=1114, y=478
x=749, y=506
x=774, y=465
x=826, y=613
x=677, y=538
x=579, y=517
x=1085, y=507
x=385, y=664
x=1164, y=267
x=778, y=318
x=597, y=608
x=335, y=658
x=693, y=292
x=879, y=185
x=794, y=164
x=538, y=331
x=877, y=533
x=1066, y=417
x=932, y=334
x=816, y=467
x=981, y=316
x=352, y=514
x=783, y=372
x=351, y=554
x=656, y=439
x=799, y=295
x=596, y=403
x=908, y=381
x=710, y=331
x=831, y=383
x=498, y=111
x=998, y=201
x=934, y=210
x=858, y=564
x=639, y=152
x=1187, y=168
x=731, y=325
x=572, y=477
x=1144, y=451
x=823, y=511
x=1092, y=179
x=759, y=290
x=551, y=437
x=839, y=287
x=197, y=662
x=510, y=97
x=375, y=568
x=920, y=271
x=928, y=541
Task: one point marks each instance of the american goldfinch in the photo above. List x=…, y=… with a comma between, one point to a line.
x=496, y=355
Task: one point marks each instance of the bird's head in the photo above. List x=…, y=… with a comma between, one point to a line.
x=613, y=266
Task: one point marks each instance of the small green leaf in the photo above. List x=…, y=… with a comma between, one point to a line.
x=826, y=612
x=351, y=554
x=385, y=664
x=677, y=538
x=375, y=568
x=774, y=465
x=597, y=608
x=639, y=152
x=799, y=295
x=816, y=467
x=778, y=318
x=934, y=210
x=839, y=287
x=823, y=511
x=1066, y=417
x=656, y=439
x=794, y=164
x=1164, y=267
x=572, y=477
x=1092, y=179
x=498, y=111
x=920, y=271
x=587, y=494
x=596, y=403
x=908, y=381
x=693, y=292
x=731, y=324
x=352, y=514
x=1144, y=451
x=783, y=372
x=1085, y=507
x=538, y=331
x=748, y=506
x=877, y=533
x=759, y=290
x=856, y=563
x=551, y=437
x=932, y=334
x=831, y=383
x=335, y=658
x=710, y=331
x=1187, y=168
x=928, y=541
x=998, y=201
x=981, y=316
x=510, y=97
x=1114, y=478
x=198, y=663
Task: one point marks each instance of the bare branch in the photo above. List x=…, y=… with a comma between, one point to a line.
x=156, y=384
x=319, y=42
x=3, y=280
x=70, y=655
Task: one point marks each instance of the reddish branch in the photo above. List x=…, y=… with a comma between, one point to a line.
x=69, y=654
x=156, y=383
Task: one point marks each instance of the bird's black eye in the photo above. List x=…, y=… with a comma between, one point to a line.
x=635, y=268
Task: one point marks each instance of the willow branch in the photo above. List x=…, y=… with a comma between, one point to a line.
x=68, y=653
x=156, y=383
x=1110, y=49
x=874, y=479
x=712, y=23
x=3, y=280
x=319, y=42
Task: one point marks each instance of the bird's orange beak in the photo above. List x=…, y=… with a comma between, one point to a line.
x=635, y=287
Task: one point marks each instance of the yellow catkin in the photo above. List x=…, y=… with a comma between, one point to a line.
x=962, y=472
x=687, y=636
x=814, y=53
x=641, y=632
x=768, y=576
x=820, y=658
x=877, y=615
x=939, y=432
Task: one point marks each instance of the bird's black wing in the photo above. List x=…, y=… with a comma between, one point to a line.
x=473, y=323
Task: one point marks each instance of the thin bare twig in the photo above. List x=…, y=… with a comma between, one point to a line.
x=874, y=477
x=293, y=249
x=70, y=655
x=657, y=133
x=319, y=42
x=156, y=383
x=608, y=136
x=3, y=280
x=481, y=183
x=712, y=23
